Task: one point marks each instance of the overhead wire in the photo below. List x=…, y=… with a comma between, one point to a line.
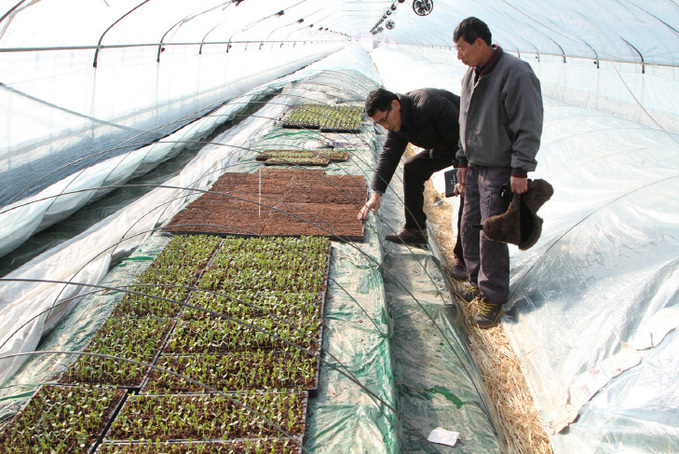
x=624, y=82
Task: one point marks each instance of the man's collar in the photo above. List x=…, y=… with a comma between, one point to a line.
x=405, y=111
x=480, y=70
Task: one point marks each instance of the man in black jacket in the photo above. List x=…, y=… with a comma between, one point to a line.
x=427, y=118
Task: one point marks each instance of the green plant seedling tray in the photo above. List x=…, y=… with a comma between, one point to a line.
x=238, y=372
x=209, y=417
x=278, y=445
x=70, y=377
x=65, y=425
x=297, y=162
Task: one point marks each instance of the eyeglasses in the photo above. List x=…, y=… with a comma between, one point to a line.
x=383, y=121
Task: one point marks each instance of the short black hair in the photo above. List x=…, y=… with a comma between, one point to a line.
x=471, y=29
x=379, y=99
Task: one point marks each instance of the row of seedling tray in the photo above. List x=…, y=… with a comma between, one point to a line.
x=232, y=367
x=327, y=118
x=321, y=157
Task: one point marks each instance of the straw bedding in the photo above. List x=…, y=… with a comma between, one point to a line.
x=500, y=368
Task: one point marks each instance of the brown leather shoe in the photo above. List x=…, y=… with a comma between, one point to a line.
x=458, y=271
x=408, y=236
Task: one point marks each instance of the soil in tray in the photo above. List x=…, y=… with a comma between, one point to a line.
x=262, y=446
x=277, y=202
x=290, y=370
x=61, y=420
x=209, y=416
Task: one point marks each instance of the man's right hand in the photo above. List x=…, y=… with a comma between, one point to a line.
x=372, y=204
x=461, y=179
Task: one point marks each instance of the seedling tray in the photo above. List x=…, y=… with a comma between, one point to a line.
x=267, y=445
x=209, y=417
x=97, y=370
x=270, y=371
x=319, y=162
x=62, y=420
x=225, y=336
x=278, y=202
x=251, y=303
x=290, y=156
x=341, y=130
x=314, y=252
x=327, y=118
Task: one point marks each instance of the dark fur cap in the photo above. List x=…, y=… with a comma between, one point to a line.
x=520, y=224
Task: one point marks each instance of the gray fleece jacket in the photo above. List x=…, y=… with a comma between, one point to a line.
x=501, y=115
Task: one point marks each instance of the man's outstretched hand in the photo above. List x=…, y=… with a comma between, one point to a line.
x=372, y=204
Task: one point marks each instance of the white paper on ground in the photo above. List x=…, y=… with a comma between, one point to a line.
x=443, y=436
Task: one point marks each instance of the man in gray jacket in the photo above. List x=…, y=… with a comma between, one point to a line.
x=501, y=116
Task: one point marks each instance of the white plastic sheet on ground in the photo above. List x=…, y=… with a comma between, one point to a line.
x=605, y=269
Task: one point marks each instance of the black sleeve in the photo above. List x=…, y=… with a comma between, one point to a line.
x=393, y=149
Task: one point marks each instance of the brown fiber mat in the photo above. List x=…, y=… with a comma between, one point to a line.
x=277, y=202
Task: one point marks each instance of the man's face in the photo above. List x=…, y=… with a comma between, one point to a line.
x=470, y=54
x=389, y=119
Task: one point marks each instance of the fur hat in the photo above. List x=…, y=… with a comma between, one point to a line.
x=520, y=224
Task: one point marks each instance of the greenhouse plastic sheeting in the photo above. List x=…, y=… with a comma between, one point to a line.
x=594, y=304
x=86, y=258
x=437, y=382
x=625, y=30
x=47, y=179
x=601, y=284
x=607, y=256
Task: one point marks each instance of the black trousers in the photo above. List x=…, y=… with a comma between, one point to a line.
x=416, y=171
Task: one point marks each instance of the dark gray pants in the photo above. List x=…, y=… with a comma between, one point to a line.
x=487, y=261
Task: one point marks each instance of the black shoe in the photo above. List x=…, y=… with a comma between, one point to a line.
x=489, y=313
x=468, y=293
x=408, y=236
x=459, y=271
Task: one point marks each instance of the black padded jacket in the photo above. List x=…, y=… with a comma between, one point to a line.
x=429, y=119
